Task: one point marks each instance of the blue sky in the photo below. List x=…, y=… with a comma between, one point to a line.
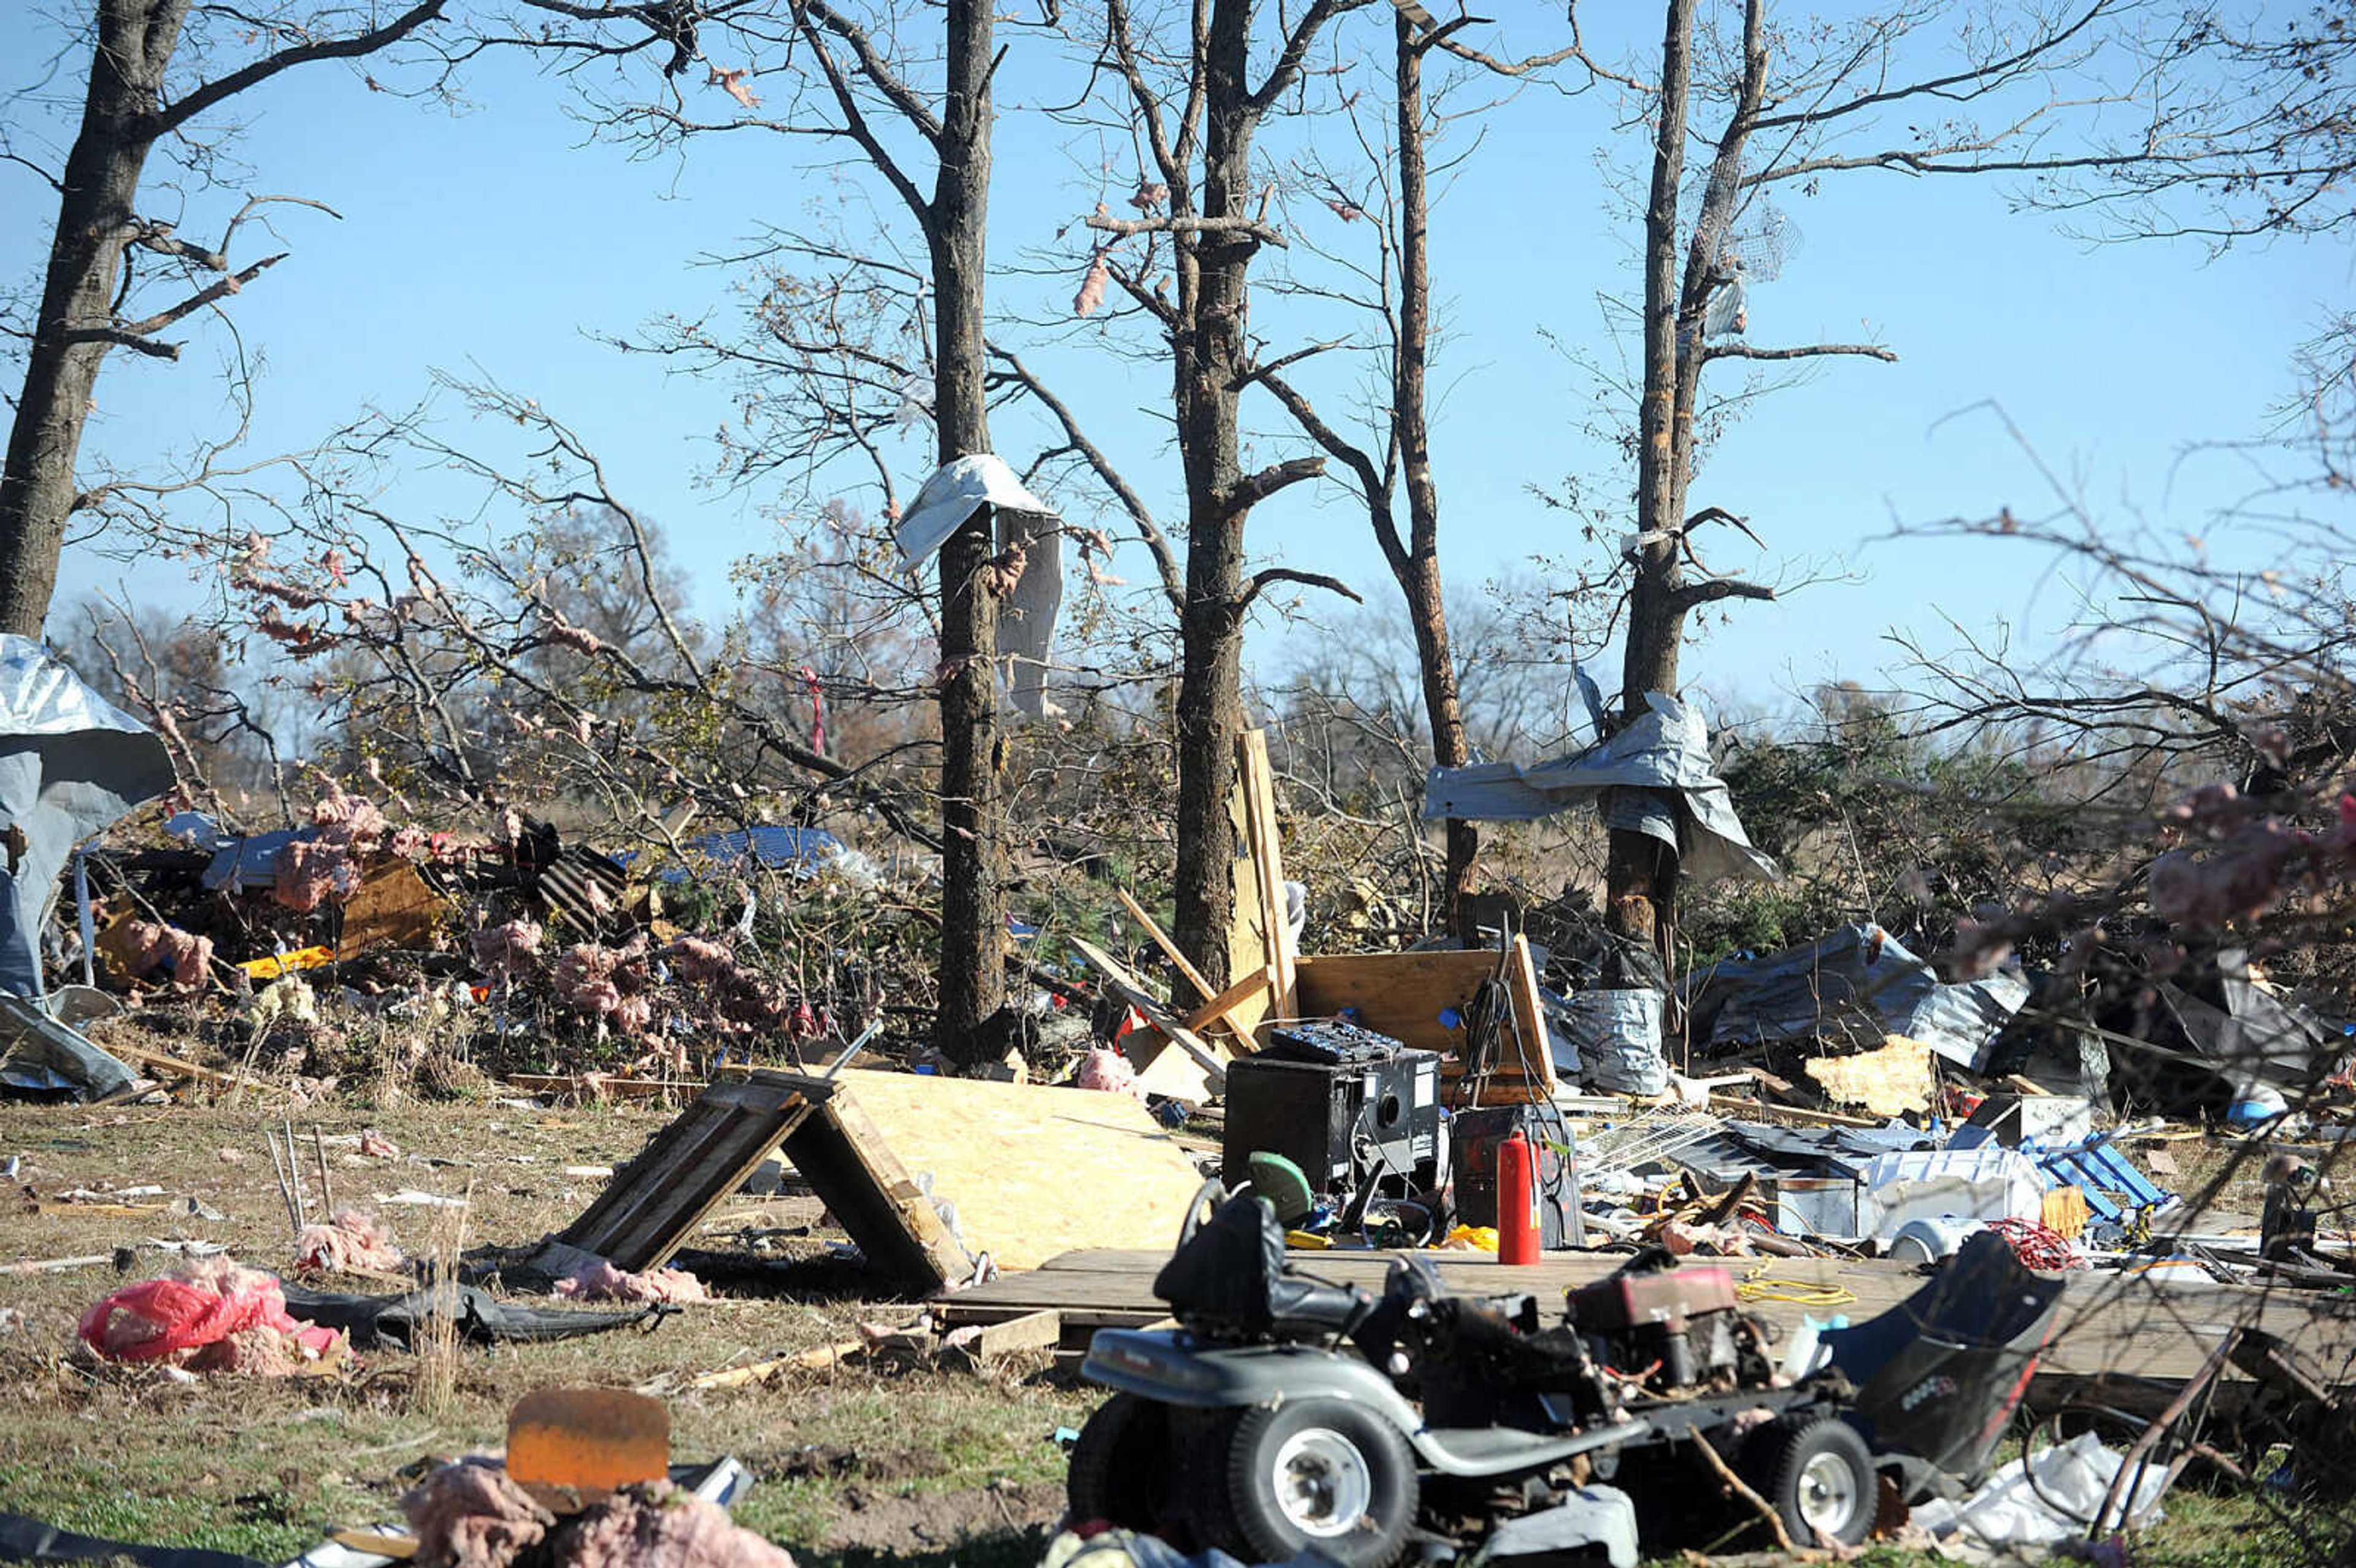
x=496, y=242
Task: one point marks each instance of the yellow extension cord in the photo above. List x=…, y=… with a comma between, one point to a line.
x=1758, y=1285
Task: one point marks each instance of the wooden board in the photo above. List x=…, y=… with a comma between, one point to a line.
x=393, y=907
x=1256, y=783
x=2117, y=1330
x=655, y=1201
x=1403, y=994
x=1032, y=1172
x=881, y=1206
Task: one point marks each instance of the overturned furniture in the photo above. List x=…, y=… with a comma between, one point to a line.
x=927, y=1175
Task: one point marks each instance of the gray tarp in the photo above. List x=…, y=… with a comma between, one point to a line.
x=71, y=765
x=1858, y=984
x=1652, y=777
x=2257, y=1037
x=1027, y=627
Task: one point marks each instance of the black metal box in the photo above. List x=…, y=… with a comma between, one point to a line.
x=1337, y=1124
x=1475, y=1135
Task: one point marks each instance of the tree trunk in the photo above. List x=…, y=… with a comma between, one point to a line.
x=1638, y=884
x=95, y=219
x=1420, y=580
x=1208, y=363
x=1640, y=872
x=973, y=849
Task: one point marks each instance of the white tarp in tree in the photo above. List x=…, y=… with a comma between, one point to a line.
x=1653, y=776
x=1026, y=623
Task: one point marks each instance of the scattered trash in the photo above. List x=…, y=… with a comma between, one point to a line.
x=351, y=1242
x=207, y=1316
x=2044, y=1499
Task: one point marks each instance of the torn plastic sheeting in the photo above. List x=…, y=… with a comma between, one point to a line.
x=1026, y=629
x=239, y=865
x=71, y=765
x=1859, y=983
x=1653, y=778
x=28, y=1540
x=1618, y=1035
x=2257, y=1036
x=2045, y=1498
x=475, y=1314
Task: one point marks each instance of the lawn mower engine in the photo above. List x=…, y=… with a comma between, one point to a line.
x=1671, y=1329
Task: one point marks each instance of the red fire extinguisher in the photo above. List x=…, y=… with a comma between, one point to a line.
x=1517, y=1201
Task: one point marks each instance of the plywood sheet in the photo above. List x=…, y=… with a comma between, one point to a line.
x=1034, y=1172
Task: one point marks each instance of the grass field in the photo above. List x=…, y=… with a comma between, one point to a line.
x=862, y=1464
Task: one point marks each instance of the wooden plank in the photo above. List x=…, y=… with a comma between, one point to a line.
x=601, y=1086
x=1536, y=1045
x=686, y=1171
x=1041, y=1330
x=1178, y=961
x=2112, y=1326
x=871, y=1194
x=132, y=1051
x=1257, y=779
x=1216, y=1010
x=1208, y=1056
x=1032, y=1171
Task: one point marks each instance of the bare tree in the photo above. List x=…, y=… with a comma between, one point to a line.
x=1195, y=110
x=2040, y=98
x=863, y=75
x=159, y=70
x=1392, y=467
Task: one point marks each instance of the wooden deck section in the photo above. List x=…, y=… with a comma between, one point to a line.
x=2131, y=1332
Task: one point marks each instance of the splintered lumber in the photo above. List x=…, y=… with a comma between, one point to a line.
x=686, y=1171
x=1406, y=995
x=1033, y=1331
x=134, y=1051
x=1209, y=1059
x=1029, y=1171
x=1178, y=960
x=814, y=1360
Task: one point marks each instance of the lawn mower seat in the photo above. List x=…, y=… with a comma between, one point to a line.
x=1228, y=1279
x=1939, y=1375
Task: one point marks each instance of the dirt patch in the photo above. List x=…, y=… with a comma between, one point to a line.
x=935, y=1521
x=831, y=1462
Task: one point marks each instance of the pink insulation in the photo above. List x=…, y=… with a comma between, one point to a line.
x=659, y=1526
x=352, y=1240
x=209, y=1317
x=601, y=1281
x=152, y=948
x=502, y=950
x=470, y=1515
x=1106, y=1069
